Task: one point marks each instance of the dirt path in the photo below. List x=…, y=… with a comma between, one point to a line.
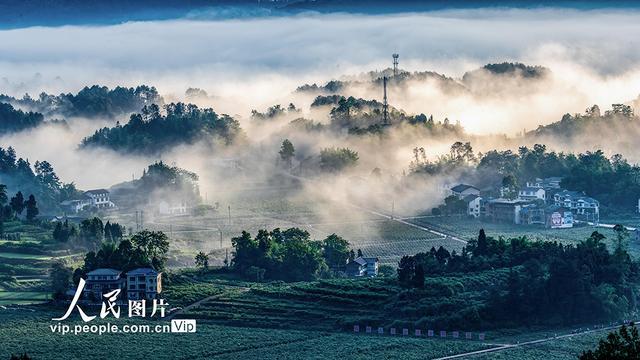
x=526, y=343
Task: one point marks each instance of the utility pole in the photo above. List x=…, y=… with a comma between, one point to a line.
x=395, y=64
x=385, y=105
x=229, y=214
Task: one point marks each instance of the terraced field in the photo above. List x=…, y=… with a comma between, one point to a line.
x=28, y=331
x=26, y=255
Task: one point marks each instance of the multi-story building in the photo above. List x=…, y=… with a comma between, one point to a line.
x=99, y=198
x=362, y=266
x=143, y=283
x=532, y=193
x=102, y=281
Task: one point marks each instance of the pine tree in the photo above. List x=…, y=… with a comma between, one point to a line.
x=32, y=208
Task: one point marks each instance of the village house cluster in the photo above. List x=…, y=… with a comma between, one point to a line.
x=541, y=201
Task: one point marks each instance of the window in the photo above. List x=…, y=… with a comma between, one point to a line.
x=132, y=287
x=132, y=278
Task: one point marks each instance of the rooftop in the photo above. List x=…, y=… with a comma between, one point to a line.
x=142, y=271
x=97, y=191
x=103, y=271
x=463, y=187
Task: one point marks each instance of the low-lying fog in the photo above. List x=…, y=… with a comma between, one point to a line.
x=246, y=64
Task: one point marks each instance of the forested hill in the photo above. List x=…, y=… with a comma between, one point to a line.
x=154, y=131
x=13, y=120
x=474, y=81
x=39, y=179
x=612, y=129
x=90, y=102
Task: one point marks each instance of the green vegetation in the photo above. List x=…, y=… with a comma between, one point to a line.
x=151, y=132
x=332, y=159
x=548, y=282
x=40, y=180
x=29, y=331
x=287, y=255
x=14, y=120
x=91, y=102
x=621, y=344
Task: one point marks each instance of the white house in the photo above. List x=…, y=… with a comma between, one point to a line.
x=99, y=198
x=363, y=266
x=532, y=193
x=473, y=205
x=143, y=283
x=173, y=208
x=463, y=190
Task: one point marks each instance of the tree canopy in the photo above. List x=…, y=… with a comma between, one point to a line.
x=153, y=131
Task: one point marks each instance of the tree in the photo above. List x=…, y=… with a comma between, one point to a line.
x=482, y=244
x=17, y=203
x=64, y=231
x=509, y=187
x=3, y=194
x=287, y=152
x=32, y=208
x=335, y=251
x=406, y=270
x=621, y=345
x=418, y=277
x=337, y=159
x=153, y=247
x=60, y=277
x=202, y=260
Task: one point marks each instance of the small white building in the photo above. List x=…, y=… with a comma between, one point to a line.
x=99, y=198
x=173, y=208
x=532, y=193
x=473, y=205
x=363, y=266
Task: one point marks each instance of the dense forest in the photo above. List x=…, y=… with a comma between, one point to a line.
x=153, y=131
x=547, y=282
x=13, y=120
x=40, y=180
x=621, y=118
x=90, y=102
